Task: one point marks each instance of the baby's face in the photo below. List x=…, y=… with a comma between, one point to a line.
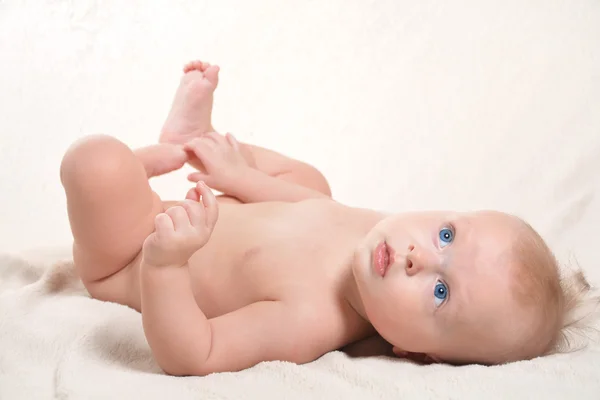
x=439, y=283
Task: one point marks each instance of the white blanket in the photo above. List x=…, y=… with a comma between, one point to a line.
x=57, y=342
x=403, y=105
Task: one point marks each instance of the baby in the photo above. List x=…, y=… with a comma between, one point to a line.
x=274, y=269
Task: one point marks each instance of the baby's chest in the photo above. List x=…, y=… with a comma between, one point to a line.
x=269, y=252
x=262, y=267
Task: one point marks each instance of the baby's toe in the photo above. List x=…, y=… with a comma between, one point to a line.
x=195, y=65
x=212, y=74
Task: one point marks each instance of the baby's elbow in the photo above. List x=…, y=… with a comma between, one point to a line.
x=177, y=363
x=177, y=368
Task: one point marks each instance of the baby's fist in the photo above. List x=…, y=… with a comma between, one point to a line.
x=181, y=230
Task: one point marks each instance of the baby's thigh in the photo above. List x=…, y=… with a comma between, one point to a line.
x=111, y=210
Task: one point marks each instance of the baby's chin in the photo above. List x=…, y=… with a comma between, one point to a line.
x=362, y=253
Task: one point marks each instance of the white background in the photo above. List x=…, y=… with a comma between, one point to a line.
x=403, y=105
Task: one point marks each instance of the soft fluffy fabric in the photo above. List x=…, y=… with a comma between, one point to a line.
x=57, y=342
x=403, y=105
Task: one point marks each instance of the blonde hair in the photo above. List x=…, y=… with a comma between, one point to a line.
x=564, y=301
x=580, y=309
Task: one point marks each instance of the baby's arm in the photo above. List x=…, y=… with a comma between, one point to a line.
x=253, y=186
x=227, y=170
x=277, y=165
x=192, y=345
x=285, y=168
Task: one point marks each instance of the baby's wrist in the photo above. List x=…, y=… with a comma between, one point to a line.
x=150, y=266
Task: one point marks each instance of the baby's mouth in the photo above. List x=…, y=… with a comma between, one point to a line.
x=382, y=258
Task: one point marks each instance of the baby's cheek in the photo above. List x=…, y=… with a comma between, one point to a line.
x=414, y=302
x=405, y=306
x=385, y=310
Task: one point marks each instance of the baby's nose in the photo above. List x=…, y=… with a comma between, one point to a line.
x=418, y=259
x=411, y=268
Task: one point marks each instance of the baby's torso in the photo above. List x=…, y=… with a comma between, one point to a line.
x=297, y=252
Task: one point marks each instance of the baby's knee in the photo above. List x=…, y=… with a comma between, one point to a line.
x=94, y=158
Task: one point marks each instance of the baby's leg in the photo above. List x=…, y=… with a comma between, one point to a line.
x=111, y=211
x=190, y=117
x=191, y=111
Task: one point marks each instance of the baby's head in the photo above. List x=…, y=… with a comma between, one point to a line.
x=479, y=287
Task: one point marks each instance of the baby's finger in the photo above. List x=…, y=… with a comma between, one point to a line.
x=201, y=148
x=210, y=204
x=216, y=137
x=197, y=176
x=195, y=212
x=163, y=225
x=429, y=360
x=206, y=140
x=193, y=195
x=233, y=141
x=191, y=145
x=179, y=217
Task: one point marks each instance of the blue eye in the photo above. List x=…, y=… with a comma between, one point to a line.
x=446, y=236
x=440, y=293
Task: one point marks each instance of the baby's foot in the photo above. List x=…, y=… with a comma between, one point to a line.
x=190, y=114
x=181, y=230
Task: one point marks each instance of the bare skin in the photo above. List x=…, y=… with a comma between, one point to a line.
x=191, y=112
x=274, y=270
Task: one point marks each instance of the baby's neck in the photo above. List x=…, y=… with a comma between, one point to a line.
x=352, y=295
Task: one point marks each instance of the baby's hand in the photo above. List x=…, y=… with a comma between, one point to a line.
x=182, y=230
x=420, y=358
x=219, y=161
